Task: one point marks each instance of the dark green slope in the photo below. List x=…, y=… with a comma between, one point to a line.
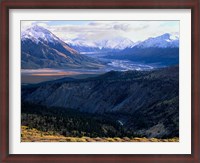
x=143, y=102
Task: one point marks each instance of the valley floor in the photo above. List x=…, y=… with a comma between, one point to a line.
x=34, y=135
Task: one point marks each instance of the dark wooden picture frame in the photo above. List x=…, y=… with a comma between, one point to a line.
x=6, y=5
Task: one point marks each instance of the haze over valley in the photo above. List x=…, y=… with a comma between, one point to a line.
x=42, y=50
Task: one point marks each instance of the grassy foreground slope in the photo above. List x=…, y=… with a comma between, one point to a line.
x=34, y=135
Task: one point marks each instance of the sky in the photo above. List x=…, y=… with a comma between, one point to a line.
x=100, y=30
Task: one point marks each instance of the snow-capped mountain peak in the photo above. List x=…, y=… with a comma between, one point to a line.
x=174, y=36
x=42, y=49
x=117, y=43
x=164, y=41
x=37, y=33
x=80, y=42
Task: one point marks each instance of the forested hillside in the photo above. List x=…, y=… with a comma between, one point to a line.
x=131, y=103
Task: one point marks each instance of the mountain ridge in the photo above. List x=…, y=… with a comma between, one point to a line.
x=166, y=40
x=163, y=41
x=42, y=49
x=150, y=95
x=160, y=51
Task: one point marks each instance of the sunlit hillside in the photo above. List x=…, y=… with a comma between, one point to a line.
x=34, y=135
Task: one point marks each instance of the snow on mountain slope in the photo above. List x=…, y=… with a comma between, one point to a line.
x=80, y=42
x=37, y=34
x=120, y=43
x=162, y=51
x=42, y=49
x=117, y=43
x=164, y=41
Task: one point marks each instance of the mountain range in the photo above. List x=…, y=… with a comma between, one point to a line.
x=164, y=41
x=120, y=43
x=42, y=49
x=160, y=51
x=106, y=45
x=143, y=102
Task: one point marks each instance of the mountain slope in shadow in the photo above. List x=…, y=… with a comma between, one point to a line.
x=146, y=102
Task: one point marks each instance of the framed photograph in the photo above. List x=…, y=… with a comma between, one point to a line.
x=106, y=81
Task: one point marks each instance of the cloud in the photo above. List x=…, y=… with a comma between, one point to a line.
x=42, y=25
x=123, y=27
x=97, y=30
x=94, y=23
x=26, y=24
x=141, y=28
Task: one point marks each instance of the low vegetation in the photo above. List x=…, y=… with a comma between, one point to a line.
x=34, y=135
x=68, y=122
